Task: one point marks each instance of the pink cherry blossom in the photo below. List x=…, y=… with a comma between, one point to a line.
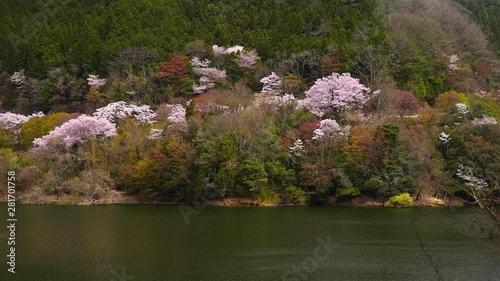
x=121, y=109
x=95, y=82
x=330, y=128
x=272, y=83
x=336, y=94
x=76, y=131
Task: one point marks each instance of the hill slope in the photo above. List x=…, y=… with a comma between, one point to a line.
x=37, y=35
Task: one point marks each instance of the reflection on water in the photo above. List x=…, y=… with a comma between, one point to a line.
x=153, y=242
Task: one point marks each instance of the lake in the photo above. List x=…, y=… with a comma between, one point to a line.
x=157, y=243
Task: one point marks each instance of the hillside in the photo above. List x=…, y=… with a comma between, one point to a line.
x=487, y=14
x=39, y=35
x=270, y=102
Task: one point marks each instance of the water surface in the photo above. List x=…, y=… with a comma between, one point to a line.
x=154, y=243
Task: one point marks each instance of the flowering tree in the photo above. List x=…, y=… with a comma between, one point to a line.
x=211, y=107
x=486, y=120
x=155, y=134
x=462, y=108
x=208, y=75
x=444, y=138
x=475, y=184
x=244, y=59
x=220, y=51
x=247, y=59
x=121, y=109
x=477, y=189
x=13, y=122
x=329, y=128
x=26, y=90
x=335, y=94
x=177, y=116
x=76, y=131
x=235, y=49
x=196, y=62
x=203, y=85
x=452, y=63
x=18, y=78
x=274, y=101
x=95, y=82
x=211, y=73
x=213, y=102
x=272, y=84
x=296, y=149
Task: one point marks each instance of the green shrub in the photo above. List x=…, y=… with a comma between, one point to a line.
x=401, y=200
x=267, y=197
x=348, y=192
x=374, y=185
x=297, y=196
x=7, y=139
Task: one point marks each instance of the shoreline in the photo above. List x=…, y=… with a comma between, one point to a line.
x=121, y=198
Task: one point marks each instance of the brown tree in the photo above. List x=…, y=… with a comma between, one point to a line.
x=174, y=69
x=404, y=102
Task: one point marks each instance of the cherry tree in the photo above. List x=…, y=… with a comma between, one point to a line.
x=475, y=184
x=18, y=78
x=208, y=75
x=13, y=122
x=155, y=134
x=75, y=131
x=486, y=120
x=301, y=104
x=452, y=63
x=177, y=116
x=335, y=94
x=211, y=107
x=272, y=84
x=121, y=109
x=444, y=138
x=220, y=51
x=462, y=108
x=274, y=101
x=244, y=59
x=198, y=63
x=247, y=59
x=211, y=73
x=95, y=82
x=203, y=85
x=330, y=128
x=235, y=49
x=296, y=149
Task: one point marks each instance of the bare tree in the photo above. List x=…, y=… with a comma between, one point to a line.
x=133, y=61
x=404, y=102
x=369, y=66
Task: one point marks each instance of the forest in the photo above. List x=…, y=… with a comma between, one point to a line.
x=343, y=102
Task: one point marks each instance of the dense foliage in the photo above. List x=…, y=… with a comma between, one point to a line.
x=278, y=102
x=487, y=13
x=39, y=35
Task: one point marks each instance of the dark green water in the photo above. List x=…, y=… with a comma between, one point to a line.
x=153, y=242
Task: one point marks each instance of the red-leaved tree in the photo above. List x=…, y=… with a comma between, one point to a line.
x=174, y=69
